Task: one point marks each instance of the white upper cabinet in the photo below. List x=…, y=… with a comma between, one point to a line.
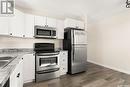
x=80, y=24
x=60, y=29
x=45, y=21
x=51, y=22
x=4, y=21
x=29, y=26
x=72, y=23
x=16, y=24
x=40, y=20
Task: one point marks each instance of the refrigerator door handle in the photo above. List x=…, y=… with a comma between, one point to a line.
x=73, y=46
x=73, y=52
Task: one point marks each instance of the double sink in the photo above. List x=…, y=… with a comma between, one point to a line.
x=4, y=61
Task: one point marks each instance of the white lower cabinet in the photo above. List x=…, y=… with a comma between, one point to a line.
x=16, y=78
x=28, y=68
x=63, y=56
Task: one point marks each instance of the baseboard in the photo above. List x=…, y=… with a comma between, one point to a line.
x=113, y=68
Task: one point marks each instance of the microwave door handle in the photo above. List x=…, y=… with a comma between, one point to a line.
x=51, y=33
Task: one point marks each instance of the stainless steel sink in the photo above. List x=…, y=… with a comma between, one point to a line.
x=6, y=58
x=4, y=61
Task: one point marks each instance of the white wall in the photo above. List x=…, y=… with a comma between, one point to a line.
x=109, y=42
x=13, y=42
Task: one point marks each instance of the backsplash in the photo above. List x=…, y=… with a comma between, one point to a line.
x=14, y=42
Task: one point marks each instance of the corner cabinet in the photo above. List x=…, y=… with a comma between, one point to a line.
x=28, y=68
x=60, y=29
x=16, y=24
x=63, y=57
x=16, y=78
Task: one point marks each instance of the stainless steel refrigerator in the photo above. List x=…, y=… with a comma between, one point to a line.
x=75, y=41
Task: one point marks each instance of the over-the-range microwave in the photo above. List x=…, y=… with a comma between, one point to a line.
x=44, y=32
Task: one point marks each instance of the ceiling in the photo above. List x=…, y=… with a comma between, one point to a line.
x=94, y=9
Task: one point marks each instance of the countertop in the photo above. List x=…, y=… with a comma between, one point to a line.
x=18, y=54
x=6, y=71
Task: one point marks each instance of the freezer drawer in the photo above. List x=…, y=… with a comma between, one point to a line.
x=80, y=53
x=79, y=59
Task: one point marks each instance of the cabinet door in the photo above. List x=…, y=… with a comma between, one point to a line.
x=51, y=22
x=13, y=79
x=40, y=20
x=70, y=23
x=74, y=23
x=20, y=75
x=4, y=21
x=16, y=24
x=16, y=76
x=28, y=68
x=80, y=25
x=60, y=29
x=29, y=25
x=64, y=58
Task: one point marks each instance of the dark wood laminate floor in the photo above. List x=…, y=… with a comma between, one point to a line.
x=95, y=76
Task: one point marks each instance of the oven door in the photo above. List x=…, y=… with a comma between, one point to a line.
x=46, y=62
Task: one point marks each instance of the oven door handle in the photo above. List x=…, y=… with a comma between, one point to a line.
x=47, y=56
x=48, y=71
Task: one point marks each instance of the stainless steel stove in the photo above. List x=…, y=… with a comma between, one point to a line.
x=47, y=61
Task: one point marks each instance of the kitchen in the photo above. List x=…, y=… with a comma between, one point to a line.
x=51, y=48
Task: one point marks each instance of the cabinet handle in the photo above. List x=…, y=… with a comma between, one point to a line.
x=46, y=25
x=18, y=75
x=77, y=27
x=11, y=34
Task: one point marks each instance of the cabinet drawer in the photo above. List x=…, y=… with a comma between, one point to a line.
x=63, y=60
x=63, y=71
x=64, y=64
x=63, y=53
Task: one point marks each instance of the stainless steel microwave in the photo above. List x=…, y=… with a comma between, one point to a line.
x=44, y=32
